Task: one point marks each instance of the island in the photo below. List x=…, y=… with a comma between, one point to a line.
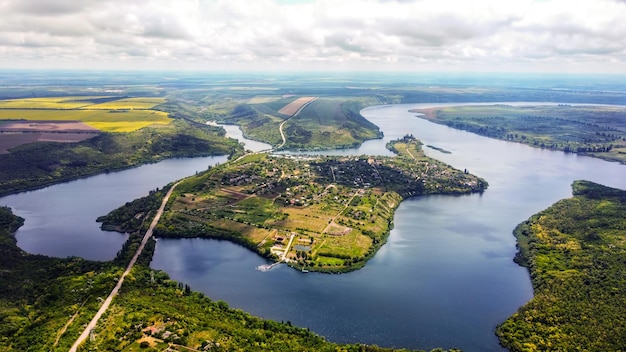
x=316, y=213
x=576, y=254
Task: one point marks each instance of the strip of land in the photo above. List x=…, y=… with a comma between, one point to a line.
x=597, y=131
x=299, y=104
x=296, y=106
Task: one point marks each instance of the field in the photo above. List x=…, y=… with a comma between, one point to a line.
x=69, y=102
x=293, y=107
x=15, y=133
x=107, y=114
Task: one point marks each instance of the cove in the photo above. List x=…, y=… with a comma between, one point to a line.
x=445, y=278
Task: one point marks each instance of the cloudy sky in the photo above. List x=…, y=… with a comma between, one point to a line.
x=396, y=35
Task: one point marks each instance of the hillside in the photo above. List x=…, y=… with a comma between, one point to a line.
x=326, y=123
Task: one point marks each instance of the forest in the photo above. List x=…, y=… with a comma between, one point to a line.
x=575, y=252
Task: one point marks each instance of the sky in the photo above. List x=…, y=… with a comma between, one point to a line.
x=563, y=36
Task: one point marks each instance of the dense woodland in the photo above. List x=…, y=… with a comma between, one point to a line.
x=576, y=254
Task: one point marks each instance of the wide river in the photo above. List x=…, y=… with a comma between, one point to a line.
x=444, y=279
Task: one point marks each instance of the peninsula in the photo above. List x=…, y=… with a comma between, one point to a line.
x=46, y=302
x=328, y=214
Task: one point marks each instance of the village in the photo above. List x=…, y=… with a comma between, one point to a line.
x=316, y=213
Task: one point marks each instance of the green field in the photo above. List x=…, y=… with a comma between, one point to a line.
x=329, y=122
x=598, y=131
x=114, y=115
x=576, y=254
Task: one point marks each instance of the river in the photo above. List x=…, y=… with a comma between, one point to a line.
x=445, y=278
x=61, y=219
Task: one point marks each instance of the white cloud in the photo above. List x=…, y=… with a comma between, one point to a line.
x=349, y=34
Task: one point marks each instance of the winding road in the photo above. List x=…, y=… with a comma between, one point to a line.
x=92, y=324
x=280, y=128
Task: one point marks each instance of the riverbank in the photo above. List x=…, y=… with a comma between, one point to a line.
x=38, y=165
x=592, y=130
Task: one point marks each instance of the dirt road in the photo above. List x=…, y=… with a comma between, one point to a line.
x=92, y=324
